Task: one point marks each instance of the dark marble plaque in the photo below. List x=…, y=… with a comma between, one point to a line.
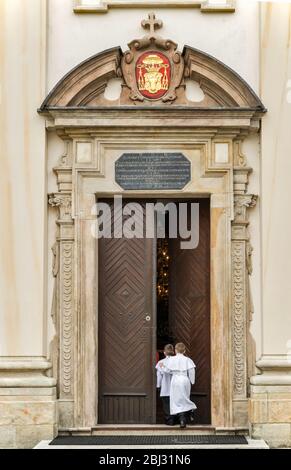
x=152, y=171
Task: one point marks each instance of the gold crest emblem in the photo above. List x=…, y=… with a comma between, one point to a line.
x=153, y=74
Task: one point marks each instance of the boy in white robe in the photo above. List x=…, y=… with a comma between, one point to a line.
x=164, y=383
x=182, y=369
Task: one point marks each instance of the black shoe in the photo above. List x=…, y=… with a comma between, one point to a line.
x=191, y=417
x=182, y=423
x=170, y=422
x=182, y=419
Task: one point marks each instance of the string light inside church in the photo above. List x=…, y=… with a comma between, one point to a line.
x=163, y=269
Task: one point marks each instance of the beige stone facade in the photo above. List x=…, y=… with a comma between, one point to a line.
x=65, y=155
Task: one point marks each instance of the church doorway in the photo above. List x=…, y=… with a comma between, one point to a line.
x=151, y=292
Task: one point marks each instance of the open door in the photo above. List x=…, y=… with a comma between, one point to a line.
x=130, y=332
x=126, y=328
x=189, y=307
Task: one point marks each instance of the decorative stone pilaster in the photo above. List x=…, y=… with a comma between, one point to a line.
x=241, y=294
x=63, y=301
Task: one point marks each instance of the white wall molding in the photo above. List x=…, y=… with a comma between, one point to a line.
x=206, y=6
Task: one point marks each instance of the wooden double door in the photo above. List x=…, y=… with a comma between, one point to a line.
x=127, y=320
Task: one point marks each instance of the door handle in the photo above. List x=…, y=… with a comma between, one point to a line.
x=148, y=318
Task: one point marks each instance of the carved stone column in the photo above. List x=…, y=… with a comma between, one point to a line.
x=241, y=298
x=63, y=302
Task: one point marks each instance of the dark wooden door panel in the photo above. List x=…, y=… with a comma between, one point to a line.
x=126, y=339
x=189, y=307
x=126, y=349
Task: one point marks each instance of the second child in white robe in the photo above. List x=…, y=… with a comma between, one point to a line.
x=164, y=384
x=163, y=377
x=182, y=369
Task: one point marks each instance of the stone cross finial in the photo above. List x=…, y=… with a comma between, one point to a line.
x=152, y=23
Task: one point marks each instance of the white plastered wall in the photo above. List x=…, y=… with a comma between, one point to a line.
x=22, y=178
x=276, y=170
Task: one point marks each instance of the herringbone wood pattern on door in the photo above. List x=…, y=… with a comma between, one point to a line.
x=125, y=337
x=189, y=307
x=126, y=289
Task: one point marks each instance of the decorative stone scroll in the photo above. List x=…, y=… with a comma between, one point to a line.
x=63, y=201
x=67, y=317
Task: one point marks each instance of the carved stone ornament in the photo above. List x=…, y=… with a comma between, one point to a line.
x=63, y=201
x=241, y=203
x=242, y=303
x=152, y=68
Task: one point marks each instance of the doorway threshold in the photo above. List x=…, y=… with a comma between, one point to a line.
x=150, y=429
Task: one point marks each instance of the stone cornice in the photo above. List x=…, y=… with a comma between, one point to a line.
x=25, y=372
x=269, y=363
x=90, y=110
x=21, y=363
x=274, y=370
x=244, y=119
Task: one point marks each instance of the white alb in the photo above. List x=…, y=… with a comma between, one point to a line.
x=163, y=377
x=182, y=370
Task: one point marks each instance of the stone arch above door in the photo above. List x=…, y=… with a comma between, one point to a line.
x=85, y=84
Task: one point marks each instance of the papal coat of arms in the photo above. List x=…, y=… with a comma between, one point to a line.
x=153, y=74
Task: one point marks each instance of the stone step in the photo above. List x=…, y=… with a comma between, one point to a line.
x=144, y=429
